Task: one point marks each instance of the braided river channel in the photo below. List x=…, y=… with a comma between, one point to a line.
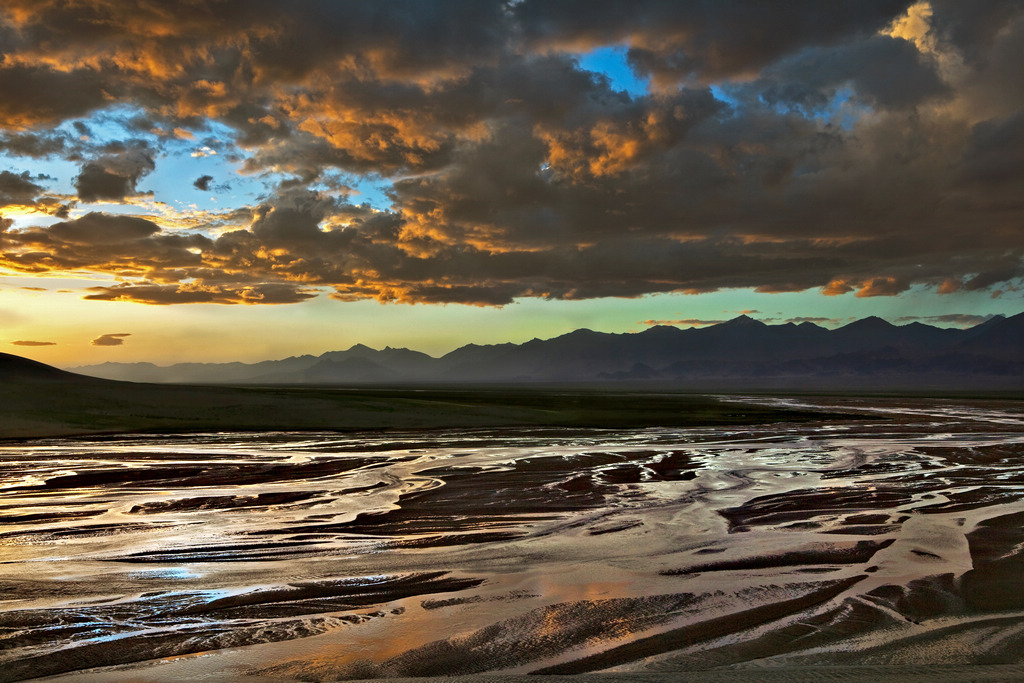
x=891, y=535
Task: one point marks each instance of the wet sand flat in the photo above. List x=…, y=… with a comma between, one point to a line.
x=840, y=548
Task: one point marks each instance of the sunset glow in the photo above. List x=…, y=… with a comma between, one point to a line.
x=249, y=180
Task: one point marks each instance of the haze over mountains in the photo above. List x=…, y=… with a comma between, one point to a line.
x=740, y=353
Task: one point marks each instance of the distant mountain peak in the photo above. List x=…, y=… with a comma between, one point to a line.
x=743, y=320
x=872, y=322
x=994, y=320
x=740, y=352
x=663, y=330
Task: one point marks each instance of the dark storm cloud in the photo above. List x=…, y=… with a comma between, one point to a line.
x=995, y=153
x=100, y=228
x=973, y=26
x=889, y=72
x=114, y=176
x=18, y=188
x=25, y=191
x=1008, y=268
x=293, y=217
x=34, y=145
x=845, y=149
x=675, y=41
x=39, y=94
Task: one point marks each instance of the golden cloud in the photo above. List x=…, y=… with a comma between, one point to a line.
x=863, y=148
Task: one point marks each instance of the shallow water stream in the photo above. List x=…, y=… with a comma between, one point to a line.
x=318, y=556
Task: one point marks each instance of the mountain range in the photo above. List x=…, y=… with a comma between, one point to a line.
x=741, y=353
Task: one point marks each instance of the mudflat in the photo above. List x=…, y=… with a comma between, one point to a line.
x=850, y=548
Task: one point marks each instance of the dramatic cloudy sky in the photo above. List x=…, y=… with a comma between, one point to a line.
x=215, y=180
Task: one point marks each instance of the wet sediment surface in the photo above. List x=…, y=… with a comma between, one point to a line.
x=286, y=556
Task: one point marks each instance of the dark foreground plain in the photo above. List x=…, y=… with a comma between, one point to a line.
x=40, y=401
x=631, y=537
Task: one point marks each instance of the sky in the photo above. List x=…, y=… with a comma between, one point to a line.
x=215, y=181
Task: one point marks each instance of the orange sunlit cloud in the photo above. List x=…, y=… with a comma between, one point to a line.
x=867, y=149
x=114, y=339
x=21, y=342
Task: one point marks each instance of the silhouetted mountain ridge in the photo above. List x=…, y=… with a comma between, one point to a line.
x=866, y=352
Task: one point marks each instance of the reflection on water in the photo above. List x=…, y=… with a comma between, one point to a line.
x=352, y=555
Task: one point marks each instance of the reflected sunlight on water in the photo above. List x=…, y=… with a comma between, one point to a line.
x=343, y=555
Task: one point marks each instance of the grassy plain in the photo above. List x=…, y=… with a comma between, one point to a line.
x=70, y=405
